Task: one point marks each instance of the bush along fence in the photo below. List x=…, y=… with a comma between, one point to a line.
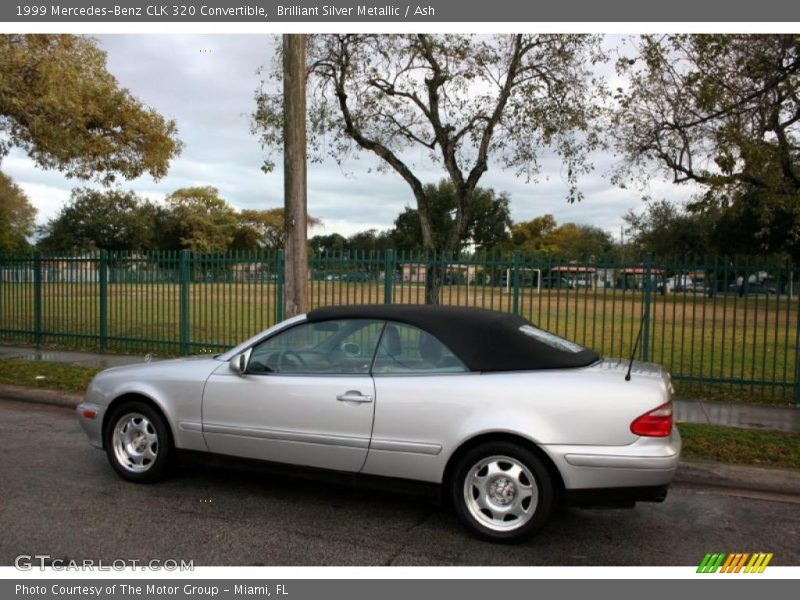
x=725, y=330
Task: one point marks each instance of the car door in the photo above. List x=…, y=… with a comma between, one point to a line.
x=421, y=387
x=306, y=397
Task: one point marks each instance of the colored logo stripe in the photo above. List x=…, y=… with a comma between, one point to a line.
x=735, y=562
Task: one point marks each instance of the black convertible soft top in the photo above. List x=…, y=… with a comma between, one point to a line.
x=484, y=340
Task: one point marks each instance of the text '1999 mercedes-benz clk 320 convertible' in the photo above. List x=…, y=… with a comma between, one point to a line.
x=508, y=419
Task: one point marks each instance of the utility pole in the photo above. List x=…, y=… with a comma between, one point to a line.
x=294, y=173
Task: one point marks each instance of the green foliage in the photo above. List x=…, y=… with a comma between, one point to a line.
x=487, y=227
x=745, y=227
x=751, y=225
x=328, y=243
x=16, y=216
x=203, y=221
x=665, y=230
x=544, y=235
x=195, y=219
x=104, y=220
x=263, y=229
x=722, y=112
x=370, y=240
x=530, y=236
x=59, y=104
x=583, y=241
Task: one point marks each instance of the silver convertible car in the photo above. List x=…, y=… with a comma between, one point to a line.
x=506, y=419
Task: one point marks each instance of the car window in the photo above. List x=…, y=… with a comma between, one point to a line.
x=407, y=349
x=345, y=346
x=551, y=339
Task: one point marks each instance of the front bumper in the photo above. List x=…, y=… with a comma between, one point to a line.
x=92, y=425
x=646, y=463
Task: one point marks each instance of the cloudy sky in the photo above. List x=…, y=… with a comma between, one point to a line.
x=207, y=84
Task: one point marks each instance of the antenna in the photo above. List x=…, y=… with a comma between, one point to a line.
x=635, y=346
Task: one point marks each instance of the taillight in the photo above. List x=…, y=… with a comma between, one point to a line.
x=656, y=423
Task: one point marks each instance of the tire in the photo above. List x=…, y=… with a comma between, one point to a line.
x=138, y=442
x=502, y=492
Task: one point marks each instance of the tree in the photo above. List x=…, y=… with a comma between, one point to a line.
x=334, y=242
x=263, y=229
x=752, y=226
x=530, y=236
x=201, y=220
x=665, y=230
x=459, y=100
x=488, y=226
x=578, y=241
x=16, y=216
x=721, y=111
x=370, y=240
x=59, y=104
x=105, y=220
x=294, y=174
x=544, y=235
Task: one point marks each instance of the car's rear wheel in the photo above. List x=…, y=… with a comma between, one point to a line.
x=502, y=492
x=137, y=442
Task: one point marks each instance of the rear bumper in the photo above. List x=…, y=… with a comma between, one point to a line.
x=646, y=463
x=613, y=497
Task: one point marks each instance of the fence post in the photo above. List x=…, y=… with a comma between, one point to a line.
x=515, y=275
x=797, y=358
x=102, y=278
x=388, y=275
x=646, y=293
x=37, y=298
x=184, y=312
x=279, y=280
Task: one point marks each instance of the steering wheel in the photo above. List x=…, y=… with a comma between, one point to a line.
x=293, y=355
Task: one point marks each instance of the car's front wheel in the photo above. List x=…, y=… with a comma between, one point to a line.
x=137, y=442
x=501, y=491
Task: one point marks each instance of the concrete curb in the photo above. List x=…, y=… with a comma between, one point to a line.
x=724, y=475
x=41, y=396
x=742, y=477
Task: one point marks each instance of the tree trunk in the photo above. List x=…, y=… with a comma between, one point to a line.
x=294, y=173
x=433, y=279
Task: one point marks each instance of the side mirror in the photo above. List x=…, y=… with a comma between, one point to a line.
x=238, y=363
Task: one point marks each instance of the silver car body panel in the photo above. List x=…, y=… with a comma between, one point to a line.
x=175, y=386
x=413, y=424
x=593, y=406
x=292, y=419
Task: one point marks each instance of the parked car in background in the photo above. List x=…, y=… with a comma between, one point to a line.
x=506, y=419
x=752, y=289
x=359, y=276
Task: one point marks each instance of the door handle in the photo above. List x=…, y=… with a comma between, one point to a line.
x=353, y=396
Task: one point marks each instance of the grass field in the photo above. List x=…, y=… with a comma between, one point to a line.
x=724, y=347
x=47, y=375
x=744, y=446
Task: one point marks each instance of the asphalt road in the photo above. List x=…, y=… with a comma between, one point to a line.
x=59, y=496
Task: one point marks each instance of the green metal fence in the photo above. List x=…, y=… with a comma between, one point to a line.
x=726, y=330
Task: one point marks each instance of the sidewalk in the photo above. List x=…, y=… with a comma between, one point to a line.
x=729, y=414
x=744, y=416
